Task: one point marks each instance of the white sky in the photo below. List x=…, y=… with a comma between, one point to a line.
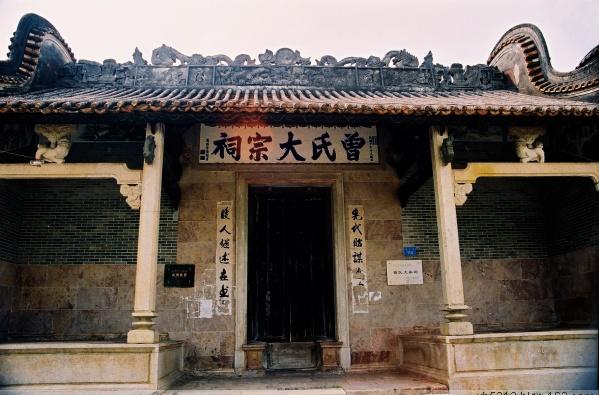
x=461, y=31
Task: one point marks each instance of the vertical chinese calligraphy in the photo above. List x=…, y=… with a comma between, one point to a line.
x=224, y=258
x=357, y=258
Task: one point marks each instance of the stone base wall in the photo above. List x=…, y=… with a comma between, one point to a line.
x=71, y=302
x=7, y=285
x=509, y=294
x=543, y=361
x=85, y=366
x=576, y=287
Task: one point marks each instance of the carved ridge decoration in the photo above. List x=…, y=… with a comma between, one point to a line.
x=25, y=48
x=474, y=171
x=285, y=67
x=582, y=81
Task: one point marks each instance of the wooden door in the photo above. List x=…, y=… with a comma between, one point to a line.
x=290, y=265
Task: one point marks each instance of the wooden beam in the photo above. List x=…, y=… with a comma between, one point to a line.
x=473, y=171
x=118, y=171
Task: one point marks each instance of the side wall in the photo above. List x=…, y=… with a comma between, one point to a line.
x=503, y=244
x=10, y=213
x=574, y=246
x=74, y=271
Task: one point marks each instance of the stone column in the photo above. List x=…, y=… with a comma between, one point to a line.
x=147, y=243
x=449, y=244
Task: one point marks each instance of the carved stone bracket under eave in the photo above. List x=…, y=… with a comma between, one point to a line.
x=132, y=194
x=129, y=180
x=465, y=178
x=461, y=192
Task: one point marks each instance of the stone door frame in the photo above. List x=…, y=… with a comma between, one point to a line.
x=335, y=182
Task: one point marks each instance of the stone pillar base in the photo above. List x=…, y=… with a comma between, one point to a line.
x=456, y=328
x=254, y=356
x=143, y=328
x=329, y=355
x=142, y=336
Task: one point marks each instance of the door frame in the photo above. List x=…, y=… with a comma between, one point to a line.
x=278, y=179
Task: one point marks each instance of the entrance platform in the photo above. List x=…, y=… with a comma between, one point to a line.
x=362, y=383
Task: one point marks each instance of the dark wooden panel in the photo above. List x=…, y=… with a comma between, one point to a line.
x=290, y=265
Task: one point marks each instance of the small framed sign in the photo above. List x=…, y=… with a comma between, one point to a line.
x=404, y=272
x=179, y=276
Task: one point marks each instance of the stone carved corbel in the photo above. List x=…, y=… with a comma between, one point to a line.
x=461, y=192
x=528, y=148
x=59, y=142
x=132, y=194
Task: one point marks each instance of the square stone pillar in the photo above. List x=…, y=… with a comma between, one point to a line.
x=449, y=243
x=147, y=243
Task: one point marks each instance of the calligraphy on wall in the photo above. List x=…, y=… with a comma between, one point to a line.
x=225, y=258
x=288, y=145
x=357, y=258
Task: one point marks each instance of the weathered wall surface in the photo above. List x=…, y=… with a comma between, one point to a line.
x=7, y=284
x=574, y=246
x=70, y=302
x=209, y=342
x=373, y=335
x=576, y=287
x=503, y=244
x=74, y=254
x=10, y=221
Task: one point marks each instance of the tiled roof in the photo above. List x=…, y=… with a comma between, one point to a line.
x=291, y=100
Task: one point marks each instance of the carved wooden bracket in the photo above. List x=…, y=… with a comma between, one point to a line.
x=465, y=178
x=461, y=192
x=132, y=194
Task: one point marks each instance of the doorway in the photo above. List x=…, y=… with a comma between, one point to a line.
x=290, y=270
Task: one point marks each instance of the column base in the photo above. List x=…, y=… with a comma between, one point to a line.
x=456, y=328
x=142, y=336
x=143, y=328
x=254, y=356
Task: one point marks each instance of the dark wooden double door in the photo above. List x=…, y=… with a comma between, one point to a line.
x=290, y=265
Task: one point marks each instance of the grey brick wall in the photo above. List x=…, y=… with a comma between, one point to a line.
x=85, y=221
x=573, y=215
x=10, y=219
x=503, y=218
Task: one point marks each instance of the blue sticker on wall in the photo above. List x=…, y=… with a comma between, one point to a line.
x=410, y=251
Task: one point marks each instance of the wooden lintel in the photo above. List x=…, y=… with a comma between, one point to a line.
x=118, y=171
x=473, y=171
